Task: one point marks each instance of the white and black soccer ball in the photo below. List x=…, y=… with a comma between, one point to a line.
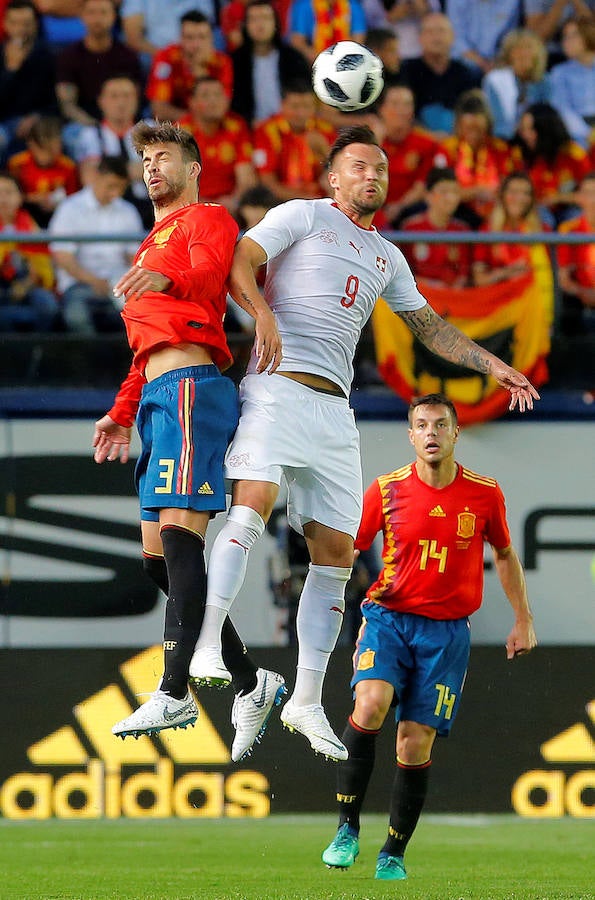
x=348, y=76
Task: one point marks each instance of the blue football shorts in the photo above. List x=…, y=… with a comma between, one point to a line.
x=186, y=419
x=425, y=660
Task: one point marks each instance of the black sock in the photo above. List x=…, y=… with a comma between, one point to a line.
x=237, y=659
x=235, y=655
x=156, y=569
x=184, y=611
x=353, y=774
x=408, y=796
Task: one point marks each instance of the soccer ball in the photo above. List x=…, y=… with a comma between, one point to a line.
x=347, y=75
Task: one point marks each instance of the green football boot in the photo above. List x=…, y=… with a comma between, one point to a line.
x=341, y=853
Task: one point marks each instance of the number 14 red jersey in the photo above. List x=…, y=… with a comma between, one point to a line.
x=433, y=540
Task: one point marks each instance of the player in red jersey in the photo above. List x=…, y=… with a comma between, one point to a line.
x=175, y=298
x=413, y=645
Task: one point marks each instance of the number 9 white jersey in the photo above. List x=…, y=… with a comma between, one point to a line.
x=324, y=275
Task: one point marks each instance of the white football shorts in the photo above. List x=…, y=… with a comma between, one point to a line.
x=290, y=430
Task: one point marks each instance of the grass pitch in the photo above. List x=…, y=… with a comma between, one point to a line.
x=450, y=858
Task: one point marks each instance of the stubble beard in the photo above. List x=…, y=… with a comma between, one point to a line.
x=167, y=193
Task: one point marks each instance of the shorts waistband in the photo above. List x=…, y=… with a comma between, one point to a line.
x=200, y=373
x=332, y=395
x=321, y=390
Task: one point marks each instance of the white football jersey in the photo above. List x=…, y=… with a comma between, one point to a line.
x=324, y=275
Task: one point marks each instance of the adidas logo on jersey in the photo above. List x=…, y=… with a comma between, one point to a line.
x=438, y=511
x=205, y=488
x=147, y=778
x=563, y=793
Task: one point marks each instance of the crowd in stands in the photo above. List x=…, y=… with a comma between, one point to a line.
x=487, y=118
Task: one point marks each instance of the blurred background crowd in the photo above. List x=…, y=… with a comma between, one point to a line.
x=487, y=118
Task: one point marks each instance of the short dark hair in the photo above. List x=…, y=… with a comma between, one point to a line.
x=354, y=134
x=296, y=85
x=113, y=165
x=193, y=15
x=143, y=135
x=377, y=38
x=438, y=174
x=433, y=400
x=45, y=128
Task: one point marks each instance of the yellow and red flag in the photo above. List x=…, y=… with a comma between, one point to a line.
x=511, y=319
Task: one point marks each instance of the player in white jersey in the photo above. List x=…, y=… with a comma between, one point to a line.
x=326, y=267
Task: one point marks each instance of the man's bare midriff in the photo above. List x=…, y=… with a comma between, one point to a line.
x=178, y=357
x=314, y=381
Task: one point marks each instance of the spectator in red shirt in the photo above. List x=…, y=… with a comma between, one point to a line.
x=224, y=141
x=479, y=159
x=577, y=265
x=555, y=163
x=447, y=264
x=233, y=15
x=27, y=301
x=290, y=148
x=411, y=150
x=45, y=174
x=175, y=68
x=514, y=212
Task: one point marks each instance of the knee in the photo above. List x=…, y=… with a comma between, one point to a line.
x=369, y=712
x=414, y=743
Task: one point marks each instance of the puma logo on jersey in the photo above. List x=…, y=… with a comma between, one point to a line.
x=358, y=249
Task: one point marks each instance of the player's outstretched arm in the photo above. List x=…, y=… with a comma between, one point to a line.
x=446, y=341
x=248, y=257
x=111, y=440
x=512, y=578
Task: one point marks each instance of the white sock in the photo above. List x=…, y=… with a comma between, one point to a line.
x=227, y=569
x=319, y=620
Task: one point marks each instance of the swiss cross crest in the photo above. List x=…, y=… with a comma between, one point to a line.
x=380, y=264
x=466, y=524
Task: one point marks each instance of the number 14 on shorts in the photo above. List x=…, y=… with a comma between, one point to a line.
x=446, y=699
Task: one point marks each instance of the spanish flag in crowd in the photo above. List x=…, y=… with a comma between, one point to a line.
x=511, y=319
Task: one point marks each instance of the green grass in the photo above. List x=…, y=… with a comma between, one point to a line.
x=488, y=858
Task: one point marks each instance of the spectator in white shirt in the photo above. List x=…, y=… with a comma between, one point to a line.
x=87, y=271
x=118, y=102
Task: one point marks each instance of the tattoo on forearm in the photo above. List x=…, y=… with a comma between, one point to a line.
x=246, y=299
x=445, y=340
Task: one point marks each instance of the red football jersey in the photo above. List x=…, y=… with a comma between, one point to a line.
x=409, y=161
x=221, y=152
x=580, y=256
x=278, y=150
x=437, y=262
x=36, y=179
x=433, y=540
x=171, y=79
x=193, y=246
x=564, y=174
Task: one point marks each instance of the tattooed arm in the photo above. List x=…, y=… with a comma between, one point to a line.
x=242, y=285
x=451, y=344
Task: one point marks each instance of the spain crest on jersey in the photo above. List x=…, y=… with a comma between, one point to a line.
x=160, y=238
x=366, y=660
x=466, y=524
